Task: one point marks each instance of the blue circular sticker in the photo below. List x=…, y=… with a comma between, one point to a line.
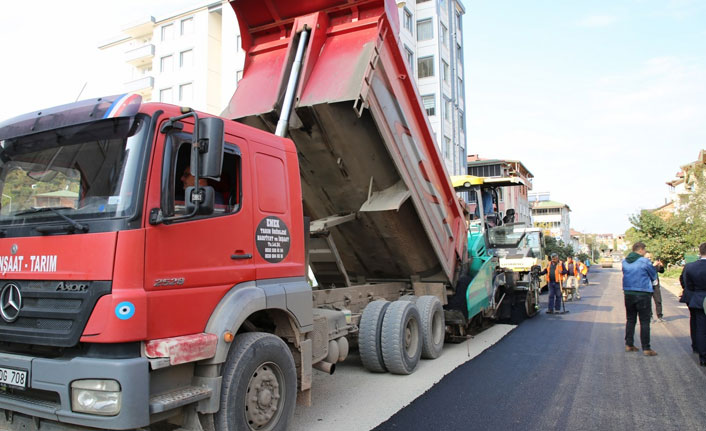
x=125, y=310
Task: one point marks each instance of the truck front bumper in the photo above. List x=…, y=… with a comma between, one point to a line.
x=48, y=394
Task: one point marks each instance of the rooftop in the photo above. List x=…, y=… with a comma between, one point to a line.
x=549, y=204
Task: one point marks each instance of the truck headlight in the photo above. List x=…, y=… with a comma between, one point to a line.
x=97, y=397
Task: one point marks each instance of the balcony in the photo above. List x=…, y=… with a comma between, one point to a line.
x=140, y=28
x=142, y=86
x=140, y=56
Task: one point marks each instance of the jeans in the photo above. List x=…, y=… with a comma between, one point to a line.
x=554, y=296
x=638, y=305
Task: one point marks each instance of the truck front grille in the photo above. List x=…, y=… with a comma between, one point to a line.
x=52, y=313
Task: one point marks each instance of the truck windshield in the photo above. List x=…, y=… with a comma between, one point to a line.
x=534, y=241
x=506, y=236
x=87, y=171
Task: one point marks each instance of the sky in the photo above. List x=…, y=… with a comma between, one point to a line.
x=601, y=100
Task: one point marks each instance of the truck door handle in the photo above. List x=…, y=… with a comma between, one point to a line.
x=241, y=256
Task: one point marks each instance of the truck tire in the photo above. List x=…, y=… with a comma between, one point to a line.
x=433, y=326
x=369, y=336
x=401, y=337
x=259, y=387
x=532, y=299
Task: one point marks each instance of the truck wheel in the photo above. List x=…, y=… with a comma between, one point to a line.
x=259, y=386
x=532, y=299
x=433, y=326
x=401, y=337
x=369, y=336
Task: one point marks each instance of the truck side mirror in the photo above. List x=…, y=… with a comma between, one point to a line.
x=210, y=138
x=207, y=195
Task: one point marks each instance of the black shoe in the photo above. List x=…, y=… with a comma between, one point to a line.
x=550, y=311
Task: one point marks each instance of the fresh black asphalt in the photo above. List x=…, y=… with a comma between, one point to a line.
x=571, y=372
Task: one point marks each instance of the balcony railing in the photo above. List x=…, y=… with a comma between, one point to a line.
x=141, y=85
x=140, y=55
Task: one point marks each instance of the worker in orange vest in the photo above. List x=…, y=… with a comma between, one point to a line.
x=556, y=273
x=584, y=271
x=572, y=279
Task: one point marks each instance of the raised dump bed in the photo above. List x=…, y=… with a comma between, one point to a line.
x=374, y=185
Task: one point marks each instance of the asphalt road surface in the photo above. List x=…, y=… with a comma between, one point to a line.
x=571, y=372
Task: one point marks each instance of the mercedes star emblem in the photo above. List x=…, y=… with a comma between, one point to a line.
x=10, y=302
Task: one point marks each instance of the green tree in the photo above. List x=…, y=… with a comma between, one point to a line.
x=552, y=245
x=669, y=238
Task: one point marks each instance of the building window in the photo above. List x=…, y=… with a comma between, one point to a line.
x=447, y=147
x=165, y=95
x=425, y=30
x=186, y=58
x=458, y=25
x=238, y=75
x=186, y=93
x=447, y=109
x=485, y=171
x=425, y=67
x=408, y=20
x=445, y=70
x=187, y=26
x=167, y=32
x=166, y=64
x=460, y=120
x=444, y=35
x=429, y=102
x=144, y=70
x=410, y=58
x=460, y=89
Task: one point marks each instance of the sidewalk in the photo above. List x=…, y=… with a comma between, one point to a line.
x=672, y=285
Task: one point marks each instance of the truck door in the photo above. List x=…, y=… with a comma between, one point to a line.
x=210, y=253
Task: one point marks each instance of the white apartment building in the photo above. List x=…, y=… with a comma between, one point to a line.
x=431, y=34
x=553, y=218
x=191, y=58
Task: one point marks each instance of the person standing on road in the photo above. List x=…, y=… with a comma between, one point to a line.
x=555, y=277
x=693, y=280
x=639, y=275
x=572, y=279
x=587, y=265
x=657, y=294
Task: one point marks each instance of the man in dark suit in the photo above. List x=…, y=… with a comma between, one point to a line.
x=693, y=279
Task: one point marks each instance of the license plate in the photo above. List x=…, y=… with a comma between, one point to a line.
x=12, y=377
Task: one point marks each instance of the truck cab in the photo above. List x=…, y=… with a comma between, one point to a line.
x=128, y=232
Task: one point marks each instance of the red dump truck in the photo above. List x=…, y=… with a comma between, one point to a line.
x=154, y=260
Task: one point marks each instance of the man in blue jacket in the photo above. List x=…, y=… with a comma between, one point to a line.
x=693, y=280
x=638, y=277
